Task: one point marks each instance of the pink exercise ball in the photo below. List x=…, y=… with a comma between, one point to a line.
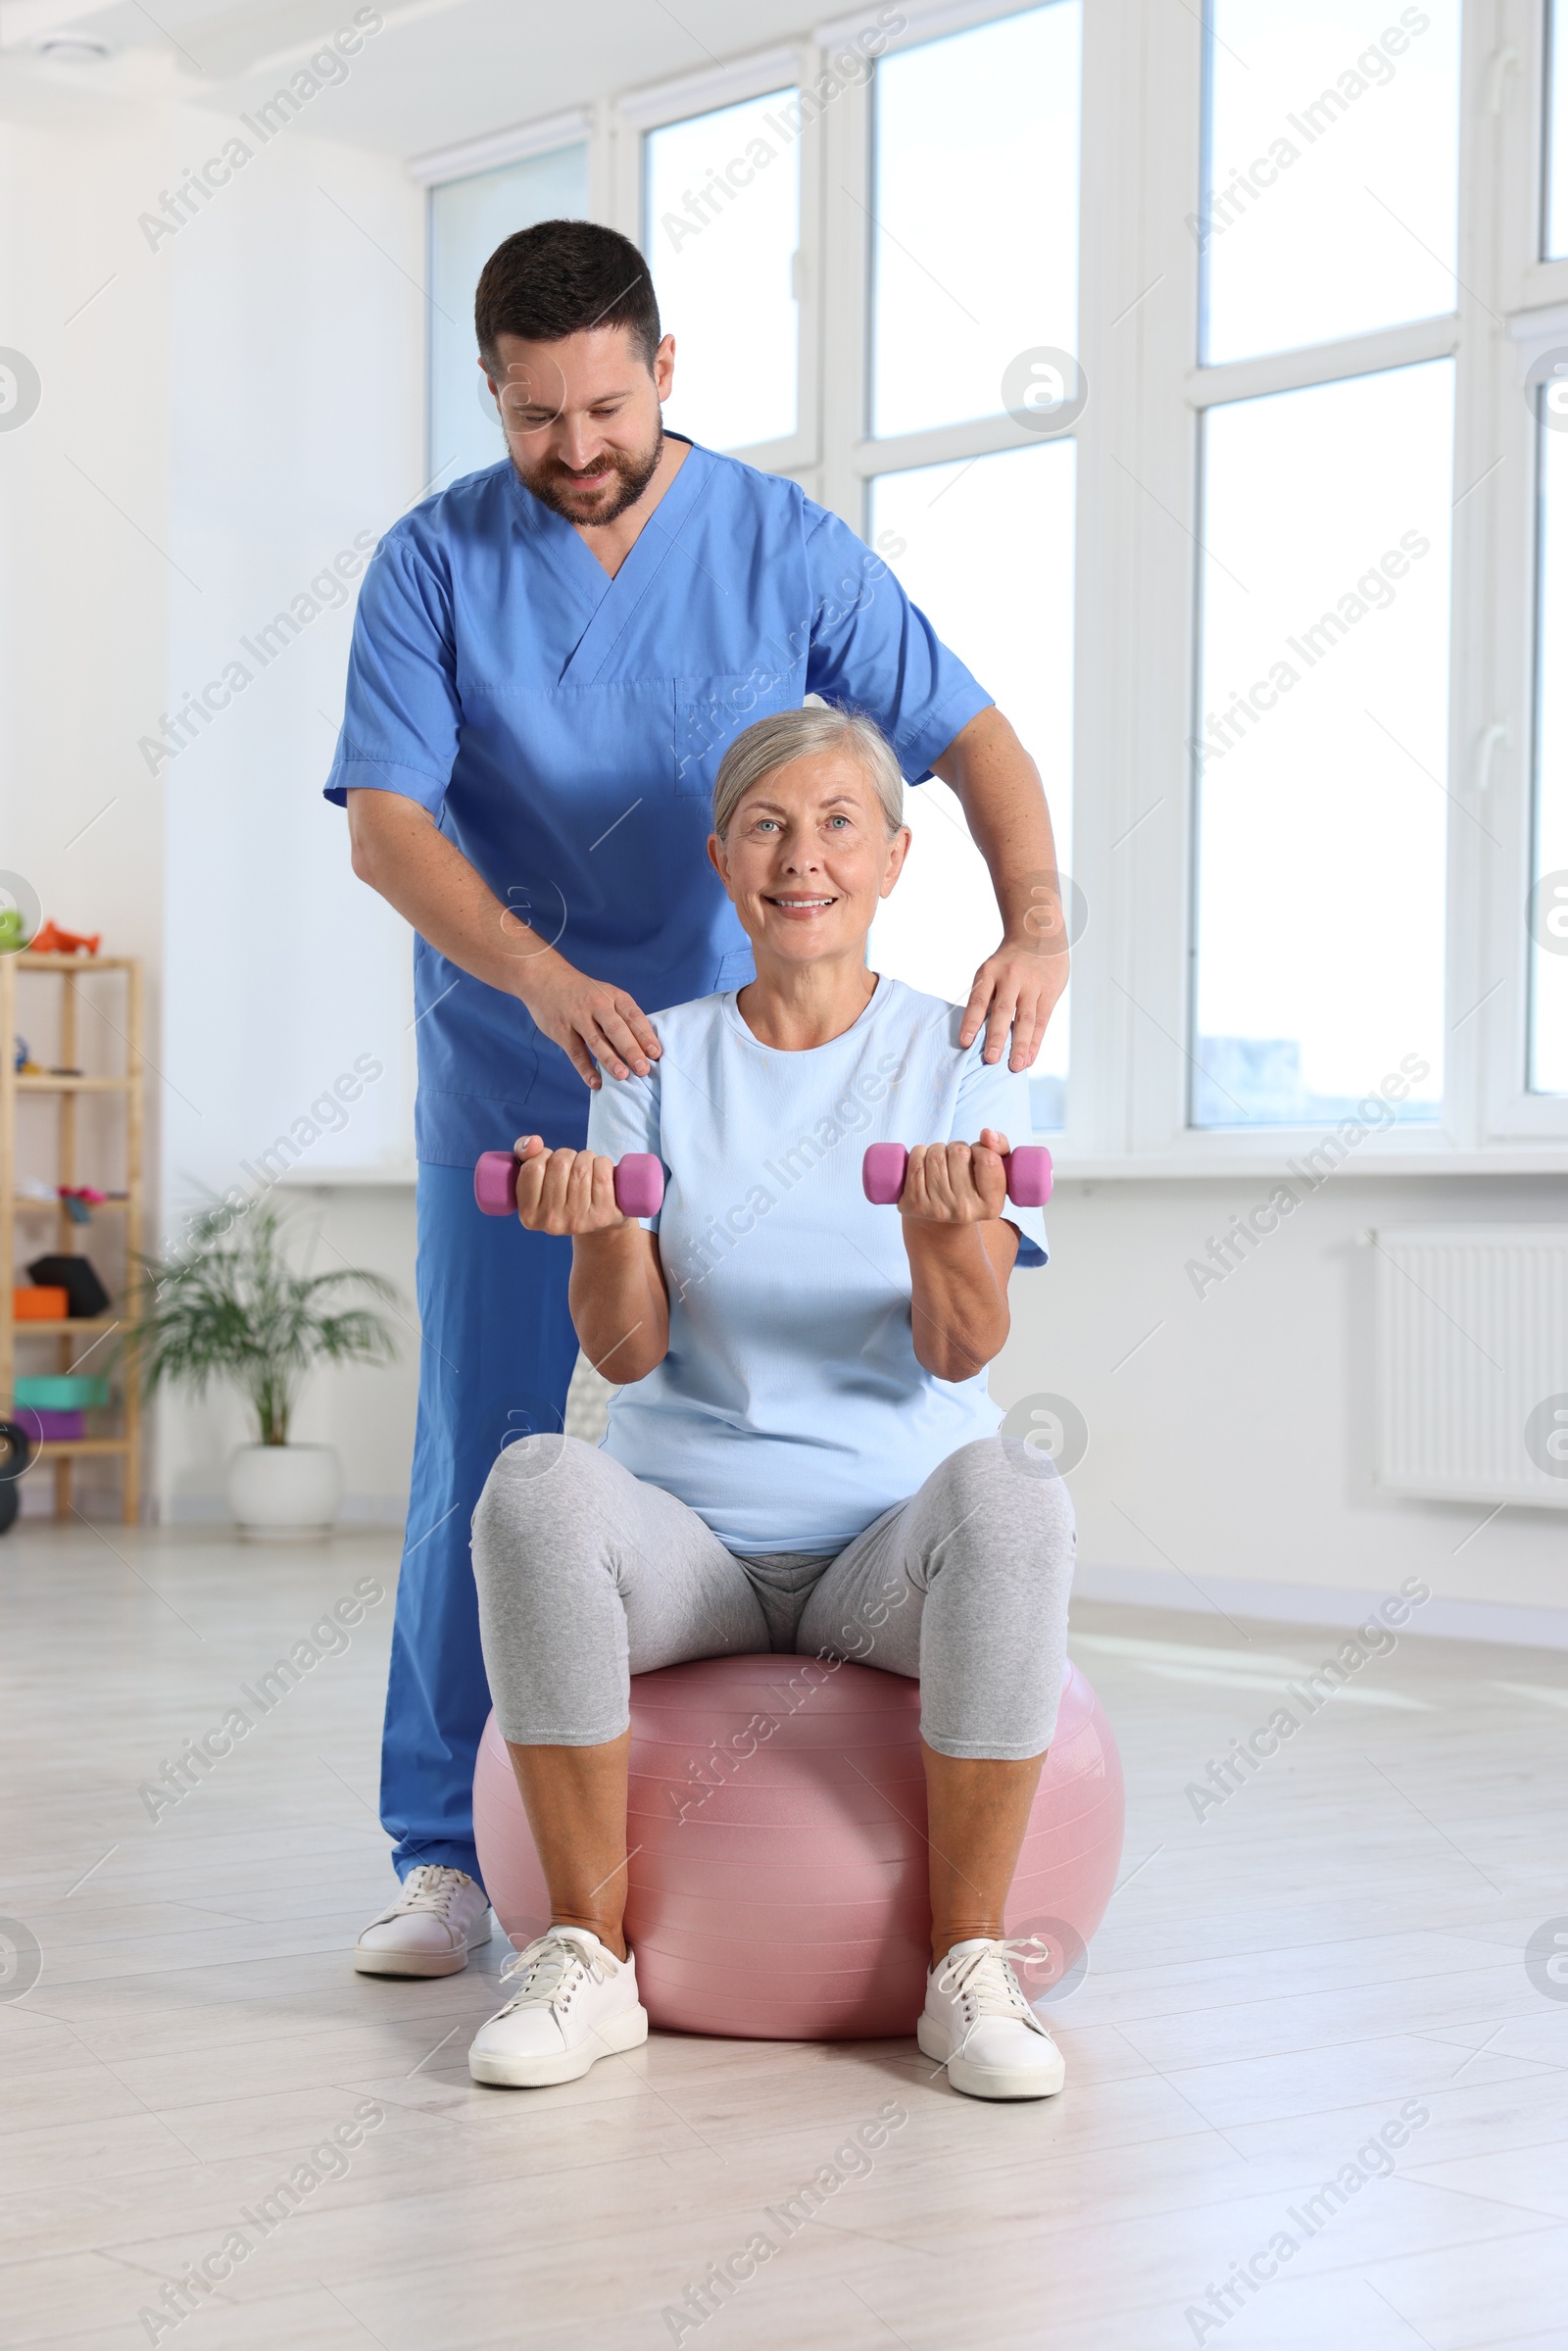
x=779, y=1854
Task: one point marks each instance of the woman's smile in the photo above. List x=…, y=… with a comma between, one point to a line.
x=801, y=908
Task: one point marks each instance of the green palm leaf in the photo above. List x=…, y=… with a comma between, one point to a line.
x=229, y=1305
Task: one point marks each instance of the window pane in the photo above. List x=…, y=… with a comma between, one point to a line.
x=1323, y=798
x=1001, y=597
x=1330, y=206
x=1556, y=237
x=975, y=203
x=468, y=219
x=721, y=224
x=1548, y=904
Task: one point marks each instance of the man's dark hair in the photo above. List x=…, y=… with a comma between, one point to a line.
x=559, y=278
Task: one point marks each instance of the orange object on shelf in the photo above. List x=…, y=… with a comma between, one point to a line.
x=53, y=941
x=35, y=1301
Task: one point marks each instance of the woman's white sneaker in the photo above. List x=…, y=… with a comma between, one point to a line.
x=439, y=1917
x=575, y=2002
x=977, y=2022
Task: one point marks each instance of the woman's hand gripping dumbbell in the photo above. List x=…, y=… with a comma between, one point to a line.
x=956, y=1183
x=567, y=1191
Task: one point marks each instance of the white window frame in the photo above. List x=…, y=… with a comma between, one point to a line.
x=1162, y=453
x=1532, y=295
x=1136, y=604
x=1133, y=987
x=571, y=127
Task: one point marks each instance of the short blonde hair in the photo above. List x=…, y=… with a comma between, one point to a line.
x=772, y=743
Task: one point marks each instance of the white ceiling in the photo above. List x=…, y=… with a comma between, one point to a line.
x=441, y=71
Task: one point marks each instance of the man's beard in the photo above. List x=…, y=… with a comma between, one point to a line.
x=552, y=482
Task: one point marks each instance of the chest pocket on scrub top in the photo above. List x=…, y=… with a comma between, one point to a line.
x=711, y=711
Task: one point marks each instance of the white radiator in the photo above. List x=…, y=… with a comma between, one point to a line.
x=1472, y=1362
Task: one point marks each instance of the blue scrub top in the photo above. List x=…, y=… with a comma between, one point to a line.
x=564, y=729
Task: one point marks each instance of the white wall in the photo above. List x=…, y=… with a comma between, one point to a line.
x=1237, y=1442
x=85, y=586
x=297, y=382
x=233, y=406
x=85, y=589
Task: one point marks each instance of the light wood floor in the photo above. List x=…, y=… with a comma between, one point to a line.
x=1345, y=1935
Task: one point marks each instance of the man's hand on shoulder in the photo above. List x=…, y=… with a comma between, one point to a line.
x=1016, y=988
x=590, y=1021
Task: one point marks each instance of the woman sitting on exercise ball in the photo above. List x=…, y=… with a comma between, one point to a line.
x=802, y=1455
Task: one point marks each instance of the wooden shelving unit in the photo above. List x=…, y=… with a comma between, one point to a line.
x=56, y=1230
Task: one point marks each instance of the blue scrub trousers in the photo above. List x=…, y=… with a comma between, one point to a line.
x=495, y=1360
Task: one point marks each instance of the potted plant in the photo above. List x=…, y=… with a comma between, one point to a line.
x=229, y=1306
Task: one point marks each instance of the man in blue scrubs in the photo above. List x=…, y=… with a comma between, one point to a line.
x=550, y=659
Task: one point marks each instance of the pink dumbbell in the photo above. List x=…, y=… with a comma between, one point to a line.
x=886, y=1164
x=639, y=1184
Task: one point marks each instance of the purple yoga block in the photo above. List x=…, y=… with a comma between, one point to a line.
x=46, y=1427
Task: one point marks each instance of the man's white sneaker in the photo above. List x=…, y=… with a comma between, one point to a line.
x=978, y=2023
x=439, y=1917
x=575, y=2002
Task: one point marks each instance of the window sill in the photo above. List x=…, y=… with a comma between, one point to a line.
x=1195, y=1166
x=1250, y=1162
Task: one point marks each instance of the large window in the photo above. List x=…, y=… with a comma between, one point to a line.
x=1323, y=752
x=721, y=227
x=1549, y=894
x=468, y=219
x=1006, y=594
x=1554, y=178
x=1202, y=371
x=972, y=251
x=1328, y=215
x=1330, y=199
x=974, y=230
x=1549, y=879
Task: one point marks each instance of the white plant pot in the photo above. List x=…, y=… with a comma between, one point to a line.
x=281, y=1493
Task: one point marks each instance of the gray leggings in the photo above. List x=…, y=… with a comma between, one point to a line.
x=587, y=1576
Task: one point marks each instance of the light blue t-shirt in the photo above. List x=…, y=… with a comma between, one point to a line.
x=790, y=1410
